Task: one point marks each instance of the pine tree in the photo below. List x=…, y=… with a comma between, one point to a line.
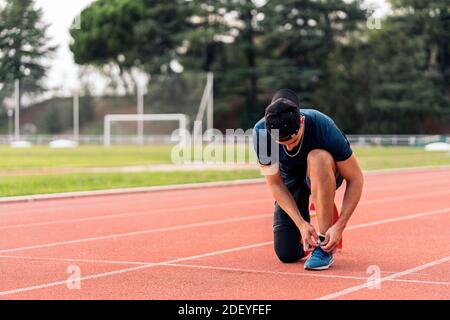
x=300, y=35
x=23, y=46
x=409, y=59
x=223, y=39
x=395, y=79
x=402, y=95
x=205, y=38
x=130, y=33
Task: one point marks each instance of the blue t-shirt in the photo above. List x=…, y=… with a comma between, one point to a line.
x=320, y=133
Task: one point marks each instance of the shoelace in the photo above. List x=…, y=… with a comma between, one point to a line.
x=318, y=252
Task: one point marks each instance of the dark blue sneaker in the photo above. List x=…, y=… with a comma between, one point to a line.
x=319, y=260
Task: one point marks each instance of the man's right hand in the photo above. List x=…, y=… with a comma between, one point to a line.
x=309, y=236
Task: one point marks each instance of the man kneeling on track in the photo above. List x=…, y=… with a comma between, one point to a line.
x=303, y=153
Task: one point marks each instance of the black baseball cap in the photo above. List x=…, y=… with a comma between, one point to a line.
x=283, y=114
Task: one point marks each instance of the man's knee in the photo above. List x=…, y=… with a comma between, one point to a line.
x=289, y=255
x=321, y=162
x=287, y=244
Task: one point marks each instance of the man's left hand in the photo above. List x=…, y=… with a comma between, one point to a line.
x=332, y=238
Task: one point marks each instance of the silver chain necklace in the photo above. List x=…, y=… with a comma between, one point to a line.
x=301, y=143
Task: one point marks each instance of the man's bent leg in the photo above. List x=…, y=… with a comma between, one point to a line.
x=287, y=239
x=322, y=174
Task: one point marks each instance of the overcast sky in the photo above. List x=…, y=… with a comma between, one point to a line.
x=60, y=14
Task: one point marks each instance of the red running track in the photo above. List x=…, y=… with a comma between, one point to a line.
x=216, y=243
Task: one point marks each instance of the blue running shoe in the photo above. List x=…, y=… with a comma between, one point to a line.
x=319, y=260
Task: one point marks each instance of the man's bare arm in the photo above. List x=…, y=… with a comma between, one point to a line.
x=351, y=172
x=285, y=200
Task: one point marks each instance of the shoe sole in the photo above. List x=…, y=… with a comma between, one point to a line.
x=321, y=268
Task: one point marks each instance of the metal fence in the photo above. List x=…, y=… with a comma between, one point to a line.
x=357, y=140
x=90, y=139
x=396, y=140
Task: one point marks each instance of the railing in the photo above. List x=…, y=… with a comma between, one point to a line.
x=396, y=140
x=91, y=139
x=358, y=140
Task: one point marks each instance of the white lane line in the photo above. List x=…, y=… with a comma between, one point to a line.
x=166, y=195
x=135, y=213
x=196, y=207
x=53, y=205
x=410, y=196
x=407, y=170
x=75, y=260
x=398, y=198
x=131, y=190
x=120, y=271
x=408, y=217
x=135, y=233
x=46, y=259
x=301, y=274
x=387, y=186
x=391, y=277
x=174, y=263
x=215, y=222
x=221, y=268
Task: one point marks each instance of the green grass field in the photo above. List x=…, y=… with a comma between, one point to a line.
x=86, y=156
x=18, y=166
x=26, y=185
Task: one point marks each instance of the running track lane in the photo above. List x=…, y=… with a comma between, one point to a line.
x=216, y=243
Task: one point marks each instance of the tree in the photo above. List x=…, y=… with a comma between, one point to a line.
x=159, y=34
x=246, y=51
x=343, y=92
x=203, y=41
x=105, y=37
x=23, y=46
x=127, y=34
x=269, y=45
x=53, y=120
x=402, y=95
x=365, y=79
x=300, y=35
x=429, y=20
x=392, y=80
x=223, y=39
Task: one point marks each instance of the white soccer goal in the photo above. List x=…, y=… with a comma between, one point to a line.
x=182, y=120
x=179, y=98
